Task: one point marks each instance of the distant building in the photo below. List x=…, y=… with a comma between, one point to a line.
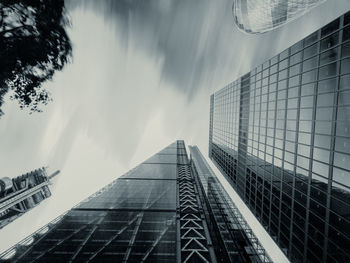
x=259, y=16
x=157, y=212
x=20, y=194
x=281, y=136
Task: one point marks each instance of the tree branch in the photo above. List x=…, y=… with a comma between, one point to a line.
x=14, y=29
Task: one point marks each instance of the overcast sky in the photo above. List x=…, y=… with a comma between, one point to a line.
x=141, y=78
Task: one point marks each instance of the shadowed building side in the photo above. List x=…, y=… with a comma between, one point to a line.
x=234, y=237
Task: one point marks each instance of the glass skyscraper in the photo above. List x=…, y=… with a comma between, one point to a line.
x=22, y=193
x=235, y=235
x=281, y=136
x=259, y=16
x=157, y=212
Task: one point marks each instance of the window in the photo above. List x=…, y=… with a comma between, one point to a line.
x=331, y=27
x=330, y=41
x=308, y=89
x=320, y=168
x=310, y=39
x=296, y=58
x=342, y=160
x=310, y=51
x=328, y=71
x=310, y=63
x=341, y=176
x=310, y=76
x=330, y=56
x=345, y=66
x=325, y=100
x=328, y=85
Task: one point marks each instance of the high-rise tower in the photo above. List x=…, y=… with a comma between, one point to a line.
x=260, y=16
x=157, y=212
x=234, y=234
x=22, y=193
x=281, y=136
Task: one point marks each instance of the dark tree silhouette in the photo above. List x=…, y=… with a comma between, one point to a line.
x=33, y=45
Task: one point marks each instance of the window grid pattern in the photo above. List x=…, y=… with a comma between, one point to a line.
x=298, y=146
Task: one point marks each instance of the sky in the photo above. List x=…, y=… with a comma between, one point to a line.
x=141, y=77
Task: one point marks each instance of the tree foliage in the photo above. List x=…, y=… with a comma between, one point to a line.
x=33, y=45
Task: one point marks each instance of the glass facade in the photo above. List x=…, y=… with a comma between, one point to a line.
x=156, y=212
x=22, y=193
x=259, y=16
x=236, y=237
x=281, y=136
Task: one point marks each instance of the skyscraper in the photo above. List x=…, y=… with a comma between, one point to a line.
x=281, y=136
x=234, y=234
x=259, y=16
x=22, y=193
x=157, y=212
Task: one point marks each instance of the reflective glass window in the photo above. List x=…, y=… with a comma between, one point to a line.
x=345, y=66
x=325, y=100
x=305, y=126
x=329, y=56
x=284, y=54
x=344, y=82
x=282, y=84
x=273, y=78
x=342, y=144
x=304, y=150
x=343, y=128
x=331, y=27
x=306, y=101
x=320, y=168
x=310, y=51
x=346, y=33
x=153, y=171
x=310, y=63
x=342, y=160
x=296, y=58
x=343, y=113
x=308, y=89
x=321, y=155
x=283, y=64
x=323, y=127
x=309, y=76
x=305, y=114
x=328, y=85
x=294, y=81
x=293, y=92
x=292, y=114
x=327, y=71
x=293, y=103
x=274, y=60
x=341, y=176
x=322, y=141
x=304, y=138
x=296, y=47
x=294, y=70
x=303, y=162
x=330, y=41
x=310, y=39
x=282, y=74
x=344, y=98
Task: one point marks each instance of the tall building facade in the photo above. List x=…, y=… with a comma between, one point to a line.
x=20, y=194
x=154, y=213
x=281, y=136
x=235, y=235
x=260, y=16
